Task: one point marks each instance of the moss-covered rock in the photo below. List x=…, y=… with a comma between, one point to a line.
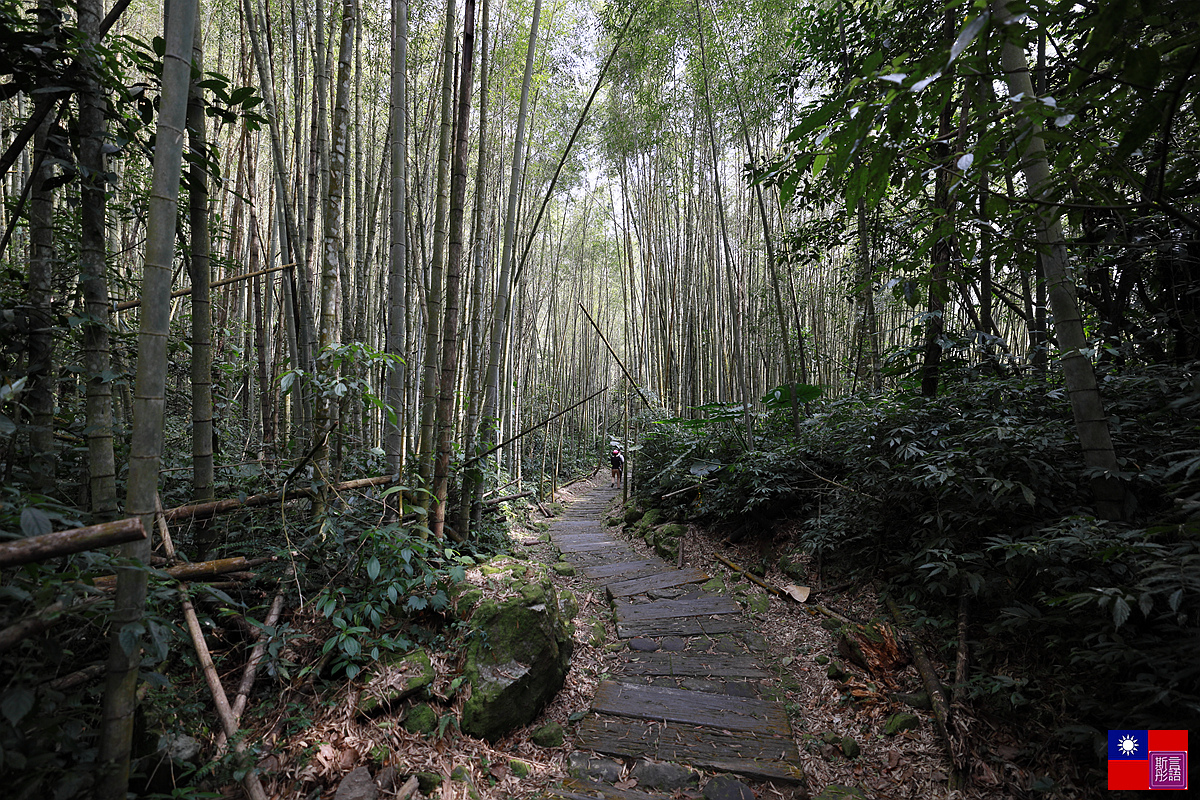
x=421, y=718
x=564, y=568
x=549, y=735
x=633, y=516
x=915, y=699
x=520, y=769
x=466, y=600
x=901, y=722
x=516, y=660
x=672, y=530
x=791, y=565
x=651, y=518
x=666, y=547
x=757, y=603
x=568, y=604
x=429, y=782
x=715, y=586
x=393, y=679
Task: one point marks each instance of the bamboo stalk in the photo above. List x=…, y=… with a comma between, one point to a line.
x=497, y=500
x=128, y=304
x=76, y=540
x=250, y=782
x=200, y=569
x=215, y=507
x=937, y=697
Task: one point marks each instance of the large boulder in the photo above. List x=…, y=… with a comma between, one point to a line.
x=517, y=657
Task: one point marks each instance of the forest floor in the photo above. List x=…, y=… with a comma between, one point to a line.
x=824, y=714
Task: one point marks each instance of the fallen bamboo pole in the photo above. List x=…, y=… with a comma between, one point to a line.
x=250, y=782
x=955, y=750
x=775, y=590
x=256, y=656
x=76, y=540
x=408, y=789
x=198, y=570
x=216, y=507
x=681, y=491
x=128, y=304
x=498, y=500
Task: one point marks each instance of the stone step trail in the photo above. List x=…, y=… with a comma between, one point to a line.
x=688, y=688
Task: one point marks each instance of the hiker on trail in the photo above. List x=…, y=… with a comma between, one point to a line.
x=617, y=461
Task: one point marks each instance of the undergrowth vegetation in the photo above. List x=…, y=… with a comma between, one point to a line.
x=367, y=589
x=1077, y=623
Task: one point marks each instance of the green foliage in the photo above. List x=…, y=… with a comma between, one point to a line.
x=982, y=491
x=397, y=573
x=341, y=373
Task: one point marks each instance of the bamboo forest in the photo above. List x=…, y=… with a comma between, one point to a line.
x=599, y=399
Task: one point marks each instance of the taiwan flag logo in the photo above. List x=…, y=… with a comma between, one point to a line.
x=1147, y=760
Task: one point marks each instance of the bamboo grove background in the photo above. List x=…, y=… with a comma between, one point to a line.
x=653, y=228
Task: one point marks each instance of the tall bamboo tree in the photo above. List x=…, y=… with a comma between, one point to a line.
x=93, y=271
x=120, y=693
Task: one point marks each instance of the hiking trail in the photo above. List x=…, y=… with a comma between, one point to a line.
x=689, y=687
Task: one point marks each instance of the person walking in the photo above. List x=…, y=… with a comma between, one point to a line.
x=618, y=463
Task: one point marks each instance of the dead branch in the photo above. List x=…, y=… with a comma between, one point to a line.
x=498, y=500
x=256, y=656
x=76, y=540
x=128, y=304
x=215, y=507
x=74, y=679
x=43, y=620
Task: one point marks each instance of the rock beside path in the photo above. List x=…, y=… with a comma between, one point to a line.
x=517, y=659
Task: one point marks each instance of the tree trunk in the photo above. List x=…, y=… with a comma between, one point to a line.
x=434, y=294
x=331, y=242
x=500, y=307
x=458, y=195
x=39, y=397
x=1091, y=423
x=472, y=475
x=935, y=317
x=397, y=257
x=291, y=248
x=120, y=694
x=201, y=276
x=93, y=275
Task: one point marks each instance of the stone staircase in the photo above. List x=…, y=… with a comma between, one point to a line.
x=688, y=689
